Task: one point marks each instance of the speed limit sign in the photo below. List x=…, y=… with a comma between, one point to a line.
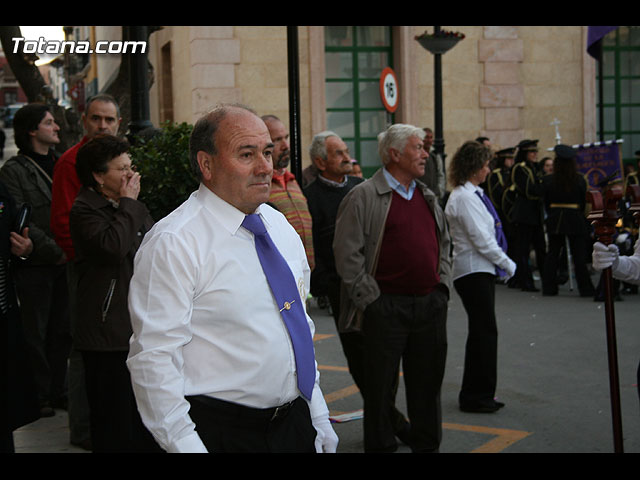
x=389, y=90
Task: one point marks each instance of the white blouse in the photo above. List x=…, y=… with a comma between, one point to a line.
x=472, y=228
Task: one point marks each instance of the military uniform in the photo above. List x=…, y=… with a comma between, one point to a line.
x=565, y=207
x=497, y=184
x=527, y=215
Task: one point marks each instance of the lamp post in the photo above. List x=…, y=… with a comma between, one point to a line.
x=438, y=43
x=139, y=82
x=294, y=105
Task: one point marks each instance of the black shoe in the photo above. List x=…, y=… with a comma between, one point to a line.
x=84, y=444
x=46, y=411
x=530, y=289
x=489, y=408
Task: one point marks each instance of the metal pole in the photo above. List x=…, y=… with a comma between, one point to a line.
x=438, y=141
x=294, y=106
x=139, y=83
x=601, y=93
x=612, y=349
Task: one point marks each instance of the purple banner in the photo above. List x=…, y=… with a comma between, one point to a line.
x=594, y=34
x=599, y=163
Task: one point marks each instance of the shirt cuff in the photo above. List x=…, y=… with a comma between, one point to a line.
x=189, y=444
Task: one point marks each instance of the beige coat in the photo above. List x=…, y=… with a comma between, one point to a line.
x=359, y=228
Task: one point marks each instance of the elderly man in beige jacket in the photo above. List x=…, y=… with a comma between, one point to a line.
x=392, y=250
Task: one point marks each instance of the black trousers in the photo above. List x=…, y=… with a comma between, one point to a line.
x=42, y=291
x=578, y=246
x=479, y=380
x=527, y=236
x=411, y=329
x=115, y=424
x=353, y=348
x=226, y=427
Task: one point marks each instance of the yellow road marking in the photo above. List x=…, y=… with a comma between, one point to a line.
x=503, y=437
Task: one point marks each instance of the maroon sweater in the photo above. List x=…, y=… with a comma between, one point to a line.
x=408, y=261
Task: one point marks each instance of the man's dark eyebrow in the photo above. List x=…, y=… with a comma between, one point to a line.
x=108, y=117
x=254, y=147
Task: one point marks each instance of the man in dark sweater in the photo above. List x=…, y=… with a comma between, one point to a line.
x=392, y=251
x=331, y=157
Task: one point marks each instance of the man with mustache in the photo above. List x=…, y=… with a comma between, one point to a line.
x=392, y=251
x=286, y=195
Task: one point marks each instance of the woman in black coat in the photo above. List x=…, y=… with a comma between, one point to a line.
x=565, y=193
x=107, y=224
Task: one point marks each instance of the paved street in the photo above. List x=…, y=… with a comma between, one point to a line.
x=553, y=377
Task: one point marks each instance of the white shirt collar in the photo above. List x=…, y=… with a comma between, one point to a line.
x=473, y=188
x=229, y=216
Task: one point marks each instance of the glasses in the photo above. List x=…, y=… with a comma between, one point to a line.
x=125, y=169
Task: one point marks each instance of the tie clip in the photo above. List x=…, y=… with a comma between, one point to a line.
x=287, y=305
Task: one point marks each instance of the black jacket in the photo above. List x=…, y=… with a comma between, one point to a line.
x=105, y=240
x=27, y=184
x=565, y=208
x=528, y=208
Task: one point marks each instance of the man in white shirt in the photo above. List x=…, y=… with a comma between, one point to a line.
x=211, y=360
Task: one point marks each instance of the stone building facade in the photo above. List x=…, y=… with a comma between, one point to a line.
x=504, y=82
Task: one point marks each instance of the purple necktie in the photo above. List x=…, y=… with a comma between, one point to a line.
x=500, y=237
x=285, y=292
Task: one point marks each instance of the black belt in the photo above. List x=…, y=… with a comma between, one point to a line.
x=243, y=412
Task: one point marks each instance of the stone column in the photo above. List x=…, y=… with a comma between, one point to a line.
x=501, y=91
x=214, y=53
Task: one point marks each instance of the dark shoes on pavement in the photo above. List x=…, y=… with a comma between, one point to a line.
x=491, y=407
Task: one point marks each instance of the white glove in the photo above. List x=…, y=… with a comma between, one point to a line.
x=326, y=438
x=604, y=256
x=511, y=269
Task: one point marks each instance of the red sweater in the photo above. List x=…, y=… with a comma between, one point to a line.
x=408, y=261
x=66, y=186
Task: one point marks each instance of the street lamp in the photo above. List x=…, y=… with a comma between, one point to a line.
x=438, y=43
x=139, y=82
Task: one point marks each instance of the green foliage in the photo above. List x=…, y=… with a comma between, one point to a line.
x=163, y=163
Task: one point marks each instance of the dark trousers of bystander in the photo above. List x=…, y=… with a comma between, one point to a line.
x=115, y=424
x=411, y=329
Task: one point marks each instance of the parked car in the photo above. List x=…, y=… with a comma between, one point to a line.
x=10, y=112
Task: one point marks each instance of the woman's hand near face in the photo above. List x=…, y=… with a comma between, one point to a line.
x=130, y=186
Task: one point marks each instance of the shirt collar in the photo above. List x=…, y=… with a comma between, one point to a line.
x=227, y=215
x=473, y=188
x=331, y=183
x=397, y=186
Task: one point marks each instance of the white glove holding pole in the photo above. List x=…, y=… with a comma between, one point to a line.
x=604, y=256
